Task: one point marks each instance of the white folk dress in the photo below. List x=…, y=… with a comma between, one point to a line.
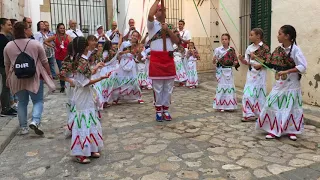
x=282, y=113
x=191, y=68
x=123, y=84
x=143, y=70
x=71, y=107
x=146, y=55
x=86, y=129
x=225, y=98
x=180, y=66
x=109, y=84
x=254, y=94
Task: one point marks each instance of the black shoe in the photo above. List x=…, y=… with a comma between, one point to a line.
x=62, y=90
x=10, y=112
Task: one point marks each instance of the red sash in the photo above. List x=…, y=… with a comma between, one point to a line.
x=161, y=65
x=185, y=45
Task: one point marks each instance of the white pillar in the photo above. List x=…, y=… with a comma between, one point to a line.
x=122, y=18
x=32, y=10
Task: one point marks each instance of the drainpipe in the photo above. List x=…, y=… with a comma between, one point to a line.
x=1, y=8
x=106, y=9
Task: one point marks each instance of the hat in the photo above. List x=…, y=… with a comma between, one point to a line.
x=124, y=45
x=99, y=26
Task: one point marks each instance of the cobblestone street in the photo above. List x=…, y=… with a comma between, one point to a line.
x=198, y=144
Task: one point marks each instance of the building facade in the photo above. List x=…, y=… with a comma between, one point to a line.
x=238, y=17
x=271, y=15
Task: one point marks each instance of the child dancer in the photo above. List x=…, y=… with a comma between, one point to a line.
x=86, y=131
x=95, y=66
x=283, y=113
x=226, y=58
x=179, y=55
x=146, y=57
x=127, y=86
x=99, y=55
x=192, y=57
x=67, y=71
x=141, y=66
x=254, y=95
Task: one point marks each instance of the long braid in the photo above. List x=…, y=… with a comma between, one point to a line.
x=79, y=46
x=291, y=31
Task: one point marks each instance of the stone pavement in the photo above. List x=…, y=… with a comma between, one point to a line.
x=9, y=125
x=199, y=144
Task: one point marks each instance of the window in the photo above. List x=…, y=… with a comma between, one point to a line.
x=87, y=13
x=254, y=14
x=173, y=12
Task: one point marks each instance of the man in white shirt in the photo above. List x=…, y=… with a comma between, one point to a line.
x=185, y=35
x=100, y=35
x=73, y=32
x=114, y=35
x=128, y=32
x=162, y=69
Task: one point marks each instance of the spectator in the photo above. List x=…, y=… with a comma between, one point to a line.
x=61, y=41
x=13, y=21
x=29, y=22
x=41, y=36
x=51, y=59
x=185, y=35
x=73, y=32
x=10, y=35
x=5, y=29
x=26, y=87
x=128, y=32
x=114, y=35
x=100, y=35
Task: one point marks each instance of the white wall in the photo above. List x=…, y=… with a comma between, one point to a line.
x=32, y=10
x=45, y=16
x=12, y=9
x=191, y=17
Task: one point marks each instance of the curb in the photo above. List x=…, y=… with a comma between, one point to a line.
x=9, y=131
x=308, y=118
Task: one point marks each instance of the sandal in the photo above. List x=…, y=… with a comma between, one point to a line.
x=95, y=155
x=270, y=136
x=248, y=119
x=106, y=105
x=292, y=137
x=82, y=160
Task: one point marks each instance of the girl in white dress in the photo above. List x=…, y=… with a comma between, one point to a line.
x=254, y=95
x=87, y=138
x=179, y=61
x=67, y=71
x=225, y=57
x=192, y=73
x=141, y=67
x=282, y=114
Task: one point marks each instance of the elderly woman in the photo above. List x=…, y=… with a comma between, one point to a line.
x=32, y=86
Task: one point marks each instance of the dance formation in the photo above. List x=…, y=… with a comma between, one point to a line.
x=99, y=74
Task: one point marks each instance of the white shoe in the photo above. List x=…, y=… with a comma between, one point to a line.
x=34, y=126
x=293, y=137
x=270, y=136
x=24, y=131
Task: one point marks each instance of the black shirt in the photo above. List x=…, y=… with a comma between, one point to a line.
x=3, y=42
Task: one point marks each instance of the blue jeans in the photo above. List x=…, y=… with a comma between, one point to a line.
x=37, y=100
x=59, y=63
x=51, y=64
x=13, y=98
